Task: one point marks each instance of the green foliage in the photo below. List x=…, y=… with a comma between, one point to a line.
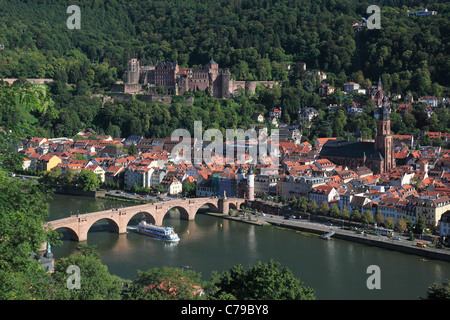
x=254, y=40
x=23, y=204
x=84, y=179
x=355, y=215
x=263, y=281
x=439, y=292
x=420, y=225
x=96, y=283
x=367, y=217
x=88, y=180
x=189, y=188
x=166, y=283
x=270, y=37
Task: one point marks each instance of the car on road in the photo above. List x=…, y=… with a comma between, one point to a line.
x=396, y=238
x=421, y=244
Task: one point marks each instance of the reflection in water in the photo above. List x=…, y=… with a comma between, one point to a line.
x=335, y=269
x=252, y=243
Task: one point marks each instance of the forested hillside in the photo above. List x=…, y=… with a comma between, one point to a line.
x=256, y=39
x=251, y=37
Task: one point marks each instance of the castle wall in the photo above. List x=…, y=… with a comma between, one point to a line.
x=217, y=81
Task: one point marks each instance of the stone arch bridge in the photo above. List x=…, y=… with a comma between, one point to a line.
x=79, y=225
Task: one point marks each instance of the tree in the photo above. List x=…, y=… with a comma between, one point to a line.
x=379, y=219
x=334, y=211
x=159, y=188
x=313, y=207
x=425, y=140
x=189, y=188
x=263, y=281
x=293, y=203
x=132, y=150
x=390, y=223
x=344, y=213
x=88, y=180
x=420, y=225
x=367, y=217
x=23, y=204
x=409, y=222
x=96, y=283
x=437, y=292
x=401, y=225
x=355, y=215
x=324, y=208
x=166, y=283
x=303, y=204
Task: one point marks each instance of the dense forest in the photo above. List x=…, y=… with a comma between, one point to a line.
x=255, y=39
x=250, y=37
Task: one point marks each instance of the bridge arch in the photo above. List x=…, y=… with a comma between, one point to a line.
x=211, y=206
x=73, y=235
x=236, y=206
x=184, y=213
x=147, y=215
x=113, y=226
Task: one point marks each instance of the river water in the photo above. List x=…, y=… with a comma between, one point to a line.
x=336, y=269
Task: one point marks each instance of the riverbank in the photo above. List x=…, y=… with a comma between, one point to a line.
x=404, y=246
x=238, y=218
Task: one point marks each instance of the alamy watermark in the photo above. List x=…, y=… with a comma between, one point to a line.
x=374, y=280
x=74, y=21
x=73, y=281
x=374, y=21
x=250, y=146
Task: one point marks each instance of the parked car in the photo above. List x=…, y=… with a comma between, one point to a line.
x=421, y=244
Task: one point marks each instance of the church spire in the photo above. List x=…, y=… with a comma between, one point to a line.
x=385, y=110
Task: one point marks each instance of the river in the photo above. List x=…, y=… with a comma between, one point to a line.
x=336, y=269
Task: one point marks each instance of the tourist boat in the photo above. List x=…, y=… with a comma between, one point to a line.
x=158, y=232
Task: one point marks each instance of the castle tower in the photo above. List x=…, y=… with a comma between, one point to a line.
x=251, y=185
x=133, y=71
x=384, y=140
x=226, y=78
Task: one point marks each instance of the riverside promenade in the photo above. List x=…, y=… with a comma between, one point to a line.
x=402, y=245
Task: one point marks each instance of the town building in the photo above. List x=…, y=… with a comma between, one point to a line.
x=444, y=224
x=172, y=185
x=265, y=184
x=47, y=162
x=377, y=156
x=323, y=193
x=351, y=87
x=432, y=209
x=297, y=187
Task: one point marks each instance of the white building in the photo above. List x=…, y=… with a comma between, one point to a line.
x=323, y=194
x=351, y=87
x=444, y=224
x=141, y=175
x=396, y=208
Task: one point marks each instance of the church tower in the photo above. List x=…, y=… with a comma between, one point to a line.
x=384, y=140
x=251, y=185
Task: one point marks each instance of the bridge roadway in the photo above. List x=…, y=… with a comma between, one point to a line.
x=79, y=225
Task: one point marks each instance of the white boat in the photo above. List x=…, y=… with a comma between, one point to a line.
x=158, y=232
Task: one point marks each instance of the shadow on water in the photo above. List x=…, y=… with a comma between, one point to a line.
x=336, y=269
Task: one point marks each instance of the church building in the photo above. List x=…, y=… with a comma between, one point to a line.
x=377, y=156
